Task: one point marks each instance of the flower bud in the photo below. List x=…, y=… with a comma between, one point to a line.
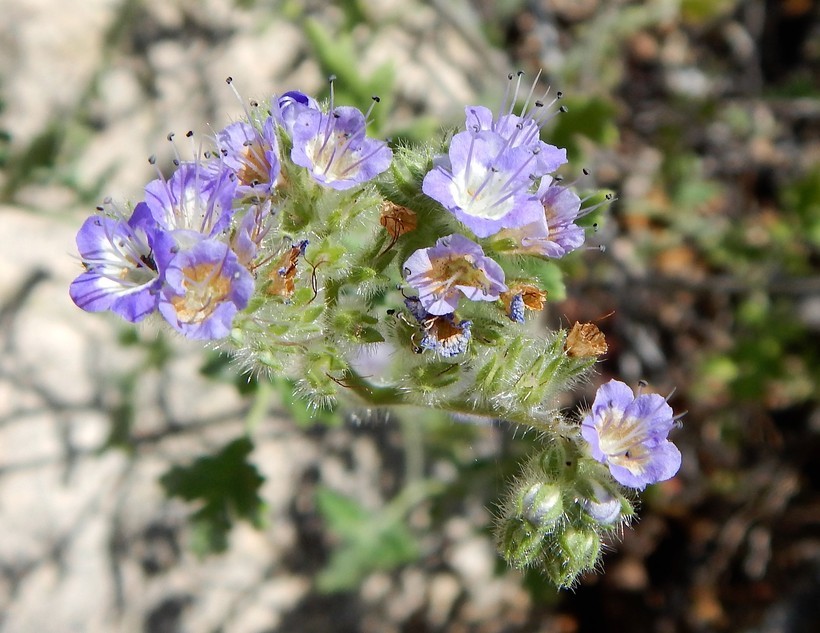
x=580, y=546
x=520, y=543
x=605, y=507
x=541, y=505
x=558, y=461
x=575, y=551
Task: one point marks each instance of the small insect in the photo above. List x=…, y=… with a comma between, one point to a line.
x=585, y=340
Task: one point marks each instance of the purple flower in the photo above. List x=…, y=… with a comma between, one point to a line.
x=455, y=266
x=486, y=183
x=335, y=149
x=251, y=230
x=252, y=154
x=121, y=273
x=205, y=287
x=198, y=197
x=518, y=131
x=443, y=334
x=554, y=233
x=289, y=105
x=628, y=434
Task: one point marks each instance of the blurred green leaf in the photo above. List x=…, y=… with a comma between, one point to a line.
x=339, y=56
x=802, y=198
x=592, y=118
x=700, y=12
x=370, y=540
x=226, y=486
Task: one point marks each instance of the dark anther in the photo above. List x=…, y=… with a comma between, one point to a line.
x=563, y=109
x=189, y=134
x=391, y=312
x=100, y=208
x=539, y=104
x=559, y=94
x=520, y=73
x=176, y=162
x=152, y=159
x=585, y=171
x=254, y=103
x=510, y=76
x=229, y=80
x=170, y=136
x=377, y=99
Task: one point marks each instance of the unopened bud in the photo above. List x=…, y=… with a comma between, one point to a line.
x=558, y=461
x=520, y=543
x=576, y=551
x=541, y=505
x=603, y=506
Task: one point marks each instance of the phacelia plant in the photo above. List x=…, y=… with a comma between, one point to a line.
x=297, y=242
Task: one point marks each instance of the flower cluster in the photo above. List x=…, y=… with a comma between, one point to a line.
x=497, y=180
x=397, y=276
x=191, y=249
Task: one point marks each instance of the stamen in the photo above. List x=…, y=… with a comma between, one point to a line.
x=375, y=99
x=239, y=98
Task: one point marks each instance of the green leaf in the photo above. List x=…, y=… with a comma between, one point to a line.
x=226, y=485
x=592, y=118
x=371, y=540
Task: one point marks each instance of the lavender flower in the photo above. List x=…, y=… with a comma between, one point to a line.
x=454, y=266
x=252, y=154
x=554, y=233
x=335, y=149
x=121, y=272
x=288, y=106
x=485, y=183
x=251, y=230
x=198, y=197
x=628, y=434
x=518, y=131
x=206, y=286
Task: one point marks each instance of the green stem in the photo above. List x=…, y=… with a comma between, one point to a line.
x=395, y=397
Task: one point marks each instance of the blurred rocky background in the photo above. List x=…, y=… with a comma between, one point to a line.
x=702, y=115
